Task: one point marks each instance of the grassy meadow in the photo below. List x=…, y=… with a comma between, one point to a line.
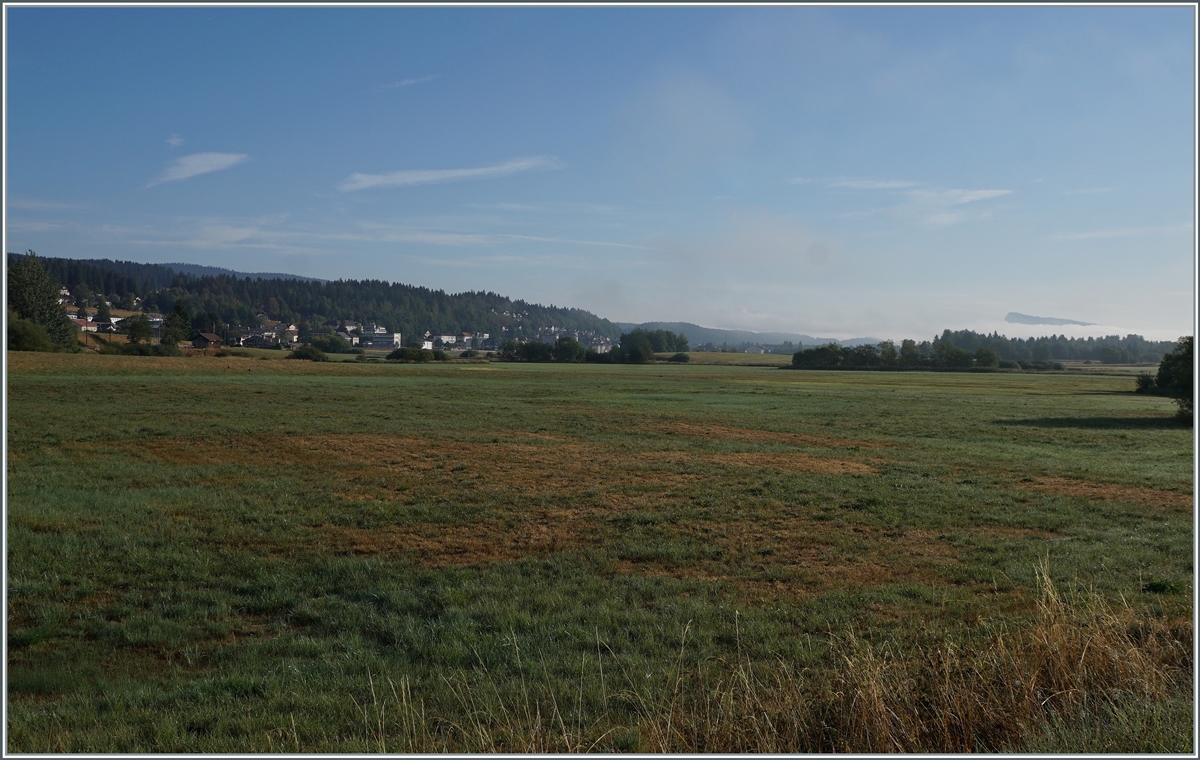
x=235, y=554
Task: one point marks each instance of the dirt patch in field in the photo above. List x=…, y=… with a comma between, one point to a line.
x=480, y=543
x=1006, y=532
x=749, y=435
x=543, y=466
x=792, y=463
x=1146, y=497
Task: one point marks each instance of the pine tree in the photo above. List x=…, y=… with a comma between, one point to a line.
x=33, y=295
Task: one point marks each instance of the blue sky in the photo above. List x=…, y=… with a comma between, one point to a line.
x=836, y=171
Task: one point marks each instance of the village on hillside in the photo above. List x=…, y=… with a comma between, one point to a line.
x=274, y=334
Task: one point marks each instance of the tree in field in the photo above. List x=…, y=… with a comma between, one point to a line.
x=950, y=355
x=818, y=356
x=331, y=344
x=309, y=353
x=102, y=312
x=864, y=355
x=138, y=328
x=887, y=353
x=636, y=347
x=910, y=355
x=535, y=351
x=177, y=326
x=1175, y=376
x=567, y=349
x=987, y=357
x=33, y=296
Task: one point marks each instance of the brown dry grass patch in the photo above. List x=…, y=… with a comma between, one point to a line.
x=1145, y=497
x=481, y=543
x=837, y=557
x=544, y=466
x=788, y=462
x=750, y=435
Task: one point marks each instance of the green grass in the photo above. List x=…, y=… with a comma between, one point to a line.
x=229, y=554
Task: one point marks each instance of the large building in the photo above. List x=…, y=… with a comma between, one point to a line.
x=377, y=337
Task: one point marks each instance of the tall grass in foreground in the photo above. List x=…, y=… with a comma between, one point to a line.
x=1082, y=674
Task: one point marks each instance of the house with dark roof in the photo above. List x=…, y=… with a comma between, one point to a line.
x=206, y=340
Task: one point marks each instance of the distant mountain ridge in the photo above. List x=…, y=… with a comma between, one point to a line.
x=199, y=270
x=1017, y=318
x=698, y=335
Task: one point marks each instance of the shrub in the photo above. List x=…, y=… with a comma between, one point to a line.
x=141, y=349
x=413, y=355
x=24, y=335
x=331, y=344
x=1039, y=364
x=1146, y=382
x=311, y=353
x=680, y=357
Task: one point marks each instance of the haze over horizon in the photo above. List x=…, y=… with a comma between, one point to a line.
x=832, y=171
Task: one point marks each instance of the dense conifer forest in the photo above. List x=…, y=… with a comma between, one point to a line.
x=229, y=300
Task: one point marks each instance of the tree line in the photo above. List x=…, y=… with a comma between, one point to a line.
x=885, y=354
x=635, y=347
x=1111, y=349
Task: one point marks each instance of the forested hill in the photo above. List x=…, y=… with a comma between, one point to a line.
x=401, y=308
x=107, y=276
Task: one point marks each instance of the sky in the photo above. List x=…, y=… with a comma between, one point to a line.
x=836, y=171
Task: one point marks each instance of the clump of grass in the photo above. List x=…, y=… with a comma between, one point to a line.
x=993, y=691
x=1044, y=684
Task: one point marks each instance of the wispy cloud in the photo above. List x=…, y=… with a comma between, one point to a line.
x=954, y=197
x=409, y=177
x=38, y=205
x=197, y=164
x=855, y=183
x=279, y=233
x=174, y=141
x=410, y=82
x=873, y=184
x=1124, y=232
x=933, y=206
x=31, y=225
x=569, y=241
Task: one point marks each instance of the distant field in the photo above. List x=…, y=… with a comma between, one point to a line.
x=732, y=359
x=231, y=555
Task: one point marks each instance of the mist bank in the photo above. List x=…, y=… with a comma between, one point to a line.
x=699, y=336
